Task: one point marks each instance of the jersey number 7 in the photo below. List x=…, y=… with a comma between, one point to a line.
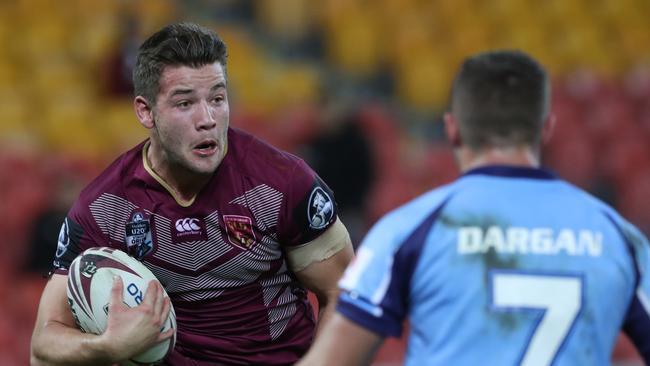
x=559, y=297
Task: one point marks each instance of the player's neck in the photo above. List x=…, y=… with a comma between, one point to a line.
x=522, y=156
x=181, y=183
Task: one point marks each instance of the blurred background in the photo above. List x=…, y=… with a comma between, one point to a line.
x=355, y=87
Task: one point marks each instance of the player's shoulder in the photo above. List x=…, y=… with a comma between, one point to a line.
x=596, y=204
x=111, y=179
x=423, y=205
x=256, y=158
x=627, y=230
x=482, y=184
x=398, y=224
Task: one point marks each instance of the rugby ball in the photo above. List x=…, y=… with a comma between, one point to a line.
x=90, y=280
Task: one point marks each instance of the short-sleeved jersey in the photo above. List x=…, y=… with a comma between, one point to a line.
x=222, y=257
x=505, y=266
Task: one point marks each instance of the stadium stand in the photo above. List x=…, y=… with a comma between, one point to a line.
x=393, y=58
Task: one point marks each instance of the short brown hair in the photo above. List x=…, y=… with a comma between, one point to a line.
x=176, y=44
x=500, y=98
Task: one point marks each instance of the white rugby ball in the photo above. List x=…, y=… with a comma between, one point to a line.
x=90, y=280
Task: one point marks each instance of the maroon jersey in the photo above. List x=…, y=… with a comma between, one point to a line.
x=220, y=258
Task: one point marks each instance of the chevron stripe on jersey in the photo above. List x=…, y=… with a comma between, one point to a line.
x=184, y=255
x=196, y=283
x=111, y=212
x=273, y=285
x=281, y=314
x=264, y=202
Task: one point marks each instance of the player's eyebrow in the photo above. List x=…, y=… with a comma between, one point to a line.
x=218, y=85
x=181, y=92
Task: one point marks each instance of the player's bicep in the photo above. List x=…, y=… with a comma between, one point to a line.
x=334, y=240
x=319, y=264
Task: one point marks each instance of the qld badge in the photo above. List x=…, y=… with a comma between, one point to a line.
x=138, y=236
x=240, y=230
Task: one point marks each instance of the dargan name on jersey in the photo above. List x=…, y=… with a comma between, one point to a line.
x=520, y=240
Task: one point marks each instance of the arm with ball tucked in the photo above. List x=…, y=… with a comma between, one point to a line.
x=129, y=331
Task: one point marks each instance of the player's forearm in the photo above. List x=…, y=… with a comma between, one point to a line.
x=326, y=309
x=342, y=342
x=59, y=344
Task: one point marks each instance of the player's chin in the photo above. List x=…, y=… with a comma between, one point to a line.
x=205, y=165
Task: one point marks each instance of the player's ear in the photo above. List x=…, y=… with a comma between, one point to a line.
x=548, y=128
x=144, y=111
x=451, y=129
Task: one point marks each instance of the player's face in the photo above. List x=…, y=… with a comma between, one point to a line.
x=191, y=117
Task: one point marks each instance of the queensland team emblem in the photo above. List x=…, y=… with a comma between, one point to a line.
x=138, y=236
x=320, y=209
x=240, y=230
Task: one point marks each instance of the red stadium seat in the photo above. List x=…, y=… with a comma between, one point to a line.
x=634, y=199
x=625, y=353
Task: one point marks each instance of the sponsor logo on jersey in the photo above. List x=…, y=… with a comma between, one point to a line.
x=188, y=229
x=240, y=230
x=320, y=209
x=64, y=239
x=187, y=225
x=138, y=236
x=521, y=240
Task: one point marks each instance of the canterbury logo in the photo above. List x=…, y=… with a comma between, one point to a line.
x=184, y=225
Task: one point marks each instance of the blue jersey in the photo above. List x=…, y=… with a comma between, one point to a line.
x=505, y=266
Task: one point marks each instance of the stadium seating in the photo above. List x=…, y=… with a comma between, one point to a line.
x=54, y=105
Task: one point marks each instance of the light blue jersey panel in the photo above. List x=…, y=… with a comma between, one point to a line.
x=506, y=266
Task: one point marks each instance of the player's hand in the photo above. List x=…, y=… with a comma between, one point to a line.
x=130, y=331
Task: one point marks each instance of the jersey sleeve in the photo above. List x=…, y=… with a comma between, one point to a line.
x=373, y=294
x=309, y=208
x=637, y=321
x=78, y=233
x=376, y=288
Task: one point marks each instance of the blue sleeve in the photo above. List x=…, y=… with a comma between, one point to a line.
x=376, y=287
x=371, y=296
x=637, y=321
